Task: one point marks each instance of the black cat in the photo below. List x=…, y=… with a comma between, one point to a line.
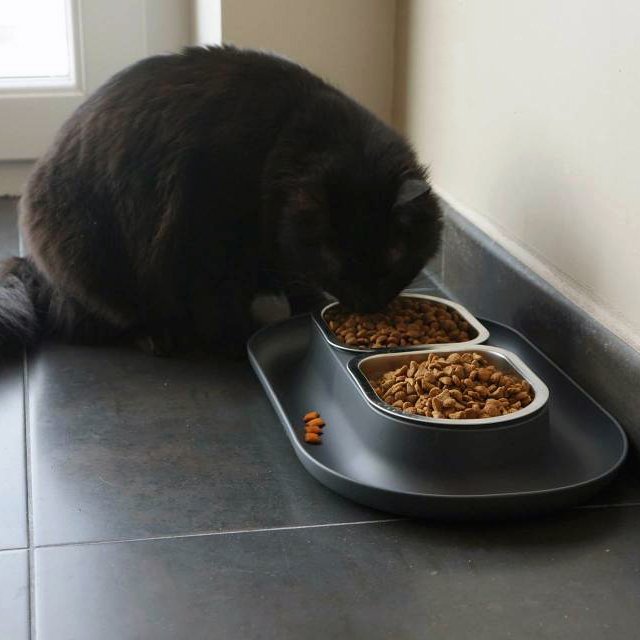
x=188, y=184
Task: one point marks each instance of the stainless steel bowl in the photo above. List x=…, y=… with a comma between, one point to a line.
x=482, y=334
x=372, y=367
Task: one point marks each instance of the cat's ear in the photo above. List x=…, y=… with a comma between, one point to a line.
x=410, y=190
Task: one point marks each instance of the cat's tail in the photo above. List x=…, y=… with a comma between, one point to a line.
x=31, y=308
x=24, y=296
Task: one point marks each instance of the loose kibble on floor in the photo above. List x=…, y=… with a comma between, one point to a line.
x=405, y=322
x=455, y=386
x=312, y=415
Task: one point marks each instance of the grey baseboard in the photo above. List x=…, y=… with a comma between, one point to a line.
x=488, y=280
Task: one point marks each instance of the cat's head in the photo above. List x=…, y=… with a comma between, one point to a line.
x=361, y=238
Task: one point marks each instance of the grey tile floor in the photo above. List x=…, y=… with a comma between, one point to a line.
x=147, y=498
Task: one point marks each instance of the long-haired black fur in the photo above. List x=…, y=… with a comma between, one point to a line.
x=189, y=184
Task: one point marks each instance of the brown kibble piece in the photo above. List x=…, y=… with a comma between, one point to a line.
x=312, y=438
x=309, y=428
x=492, y=410
x=311, y=416
x=316, y=422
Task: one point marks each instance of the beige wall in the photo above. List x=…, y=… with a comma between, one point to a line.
x=529, y=113
x=347, y=42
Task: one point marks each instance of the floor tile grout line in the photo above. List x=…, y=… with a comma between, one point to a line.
x=231, y=532
x=28, y=466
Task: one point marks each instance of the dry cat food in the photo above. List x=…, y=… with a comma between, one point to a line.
x=405, y=322
x=455, y=386
x=313, y=425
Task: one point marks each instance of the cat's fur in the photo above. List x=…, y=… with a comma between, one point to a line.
x=189, y=183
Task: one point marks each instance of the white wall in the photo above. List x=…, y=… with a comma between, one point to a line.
x=529, y=113
x=206, y=22
x=348, y=42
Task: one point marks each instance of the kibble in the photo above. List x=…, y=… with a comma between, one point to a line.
x=313, y=427
x=405, y=322
x=454, y=386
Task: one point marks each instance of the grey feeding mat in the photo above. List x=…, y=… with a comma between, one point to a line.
x=391, y=464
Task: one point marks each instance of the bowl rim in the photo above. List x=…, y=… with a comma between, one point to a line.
x=481, y=331
x=539, y=403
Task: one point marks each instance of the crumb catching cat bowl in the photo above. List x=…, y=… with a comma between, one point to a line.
x=552, y=458
x=476, y=331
